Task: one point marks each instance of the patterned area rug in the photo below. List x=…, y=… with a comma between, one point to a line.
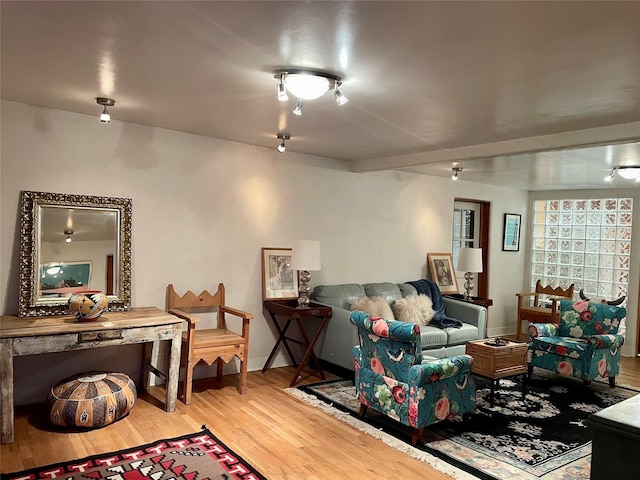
x=196, y=456
x=542, y=436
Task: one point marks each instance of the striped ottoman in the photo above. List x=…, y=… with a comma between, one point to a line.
x=91, y=400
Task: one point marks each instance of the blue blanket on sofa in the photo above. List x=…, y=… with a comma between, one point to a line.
x=440, y=319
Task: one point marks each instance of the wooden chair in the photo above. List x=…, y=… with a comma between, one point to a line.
x=536, y=312
x=209, y=345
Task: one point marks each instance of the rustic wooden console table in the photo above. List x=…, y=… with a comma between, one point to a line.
x=32, y=335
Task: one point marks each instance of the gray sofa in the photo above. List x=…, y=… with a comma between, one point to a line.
x=336, y=342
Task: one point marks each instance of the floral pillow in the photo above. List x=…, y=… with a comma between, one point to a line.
x=581, y=319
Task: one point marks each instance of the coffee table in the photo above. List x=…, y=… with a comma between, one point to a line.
x=496, y=362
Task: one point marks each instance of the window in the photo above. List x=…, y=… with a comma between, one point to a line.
x=465, y=227
x=586, y=242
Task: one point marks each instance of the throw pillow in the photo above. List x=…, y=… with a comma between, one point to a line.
x=414, y=309
x=377, y=306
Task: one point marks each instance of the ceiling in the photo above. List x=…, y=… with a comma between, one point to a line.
x=506, y=90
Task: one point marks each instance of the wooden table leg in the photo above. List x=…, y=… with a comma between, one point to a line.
x=6, y=389
x=147, y=354
x=174, y=368
x=281, y=339
x=309, y=351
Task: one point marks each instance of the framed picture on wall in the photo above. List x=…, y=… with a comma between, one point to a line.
x=511, y=238
x=279, y=281
x=442, y=271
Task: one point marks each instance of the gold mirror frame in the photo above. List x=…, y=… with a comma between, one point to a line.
x=30, y=224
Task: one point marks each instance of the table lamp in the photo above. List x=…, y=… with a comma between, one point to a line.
x=305, y=256
x=469, y=261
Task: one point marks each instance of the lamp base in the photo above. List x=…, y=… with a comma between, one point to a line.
x=468, y=285
x=303, y=289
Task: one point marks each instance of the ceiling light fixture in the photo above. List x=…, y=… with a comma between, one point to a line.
x=298, y=110
x=630, y=172
x=283, y=136
x=456, y=171
x=308, y=84
x=68, y=233
x=105, y=117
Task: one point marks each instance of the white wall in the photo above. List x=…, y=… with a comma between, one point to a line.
x=203, y=208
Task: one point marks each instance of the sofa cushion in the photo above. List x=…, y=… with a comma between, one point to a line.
x=458, y=336
x=341, y=296
x=432, y=337
x=415, y=309
x=376, y=306
x=407, y=290
x=389, y=291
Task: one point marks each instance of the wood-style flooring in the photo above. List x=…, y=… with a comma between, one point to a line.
x=282, y=437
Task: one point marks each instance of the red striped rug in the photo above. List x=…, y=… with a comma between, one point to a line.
x=195, y=456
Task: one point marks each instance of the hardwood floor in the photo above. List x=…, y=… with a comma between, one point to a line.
x=284, y=438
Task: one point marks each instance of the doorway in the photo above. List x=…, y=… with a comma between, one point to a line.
x=471, y=229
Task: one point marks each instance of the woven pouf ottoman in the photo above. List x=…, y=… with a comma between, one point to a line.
x=91, y=400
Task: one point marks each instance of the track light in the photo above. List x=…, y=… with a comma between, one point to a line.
x=298, y=110
x=282, y=136
x=456, y=171
x=68, y=233
x=105, y=117
x=340, y=98
x=282, y=91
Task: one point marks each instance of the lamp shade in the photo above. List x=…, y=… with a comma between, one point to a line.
x=305, y=255
x=470, y=260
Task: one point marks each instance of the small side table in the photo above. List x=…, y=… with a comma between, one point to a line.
x=496, y=362
x=288, y=309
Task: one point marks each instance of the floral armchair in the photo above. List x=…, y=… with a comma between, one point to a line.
x=392, y=378
x=585, y=344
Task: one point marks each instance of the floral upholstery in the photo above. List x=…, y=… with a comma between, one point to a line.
x=392, y=378
x=585, y=344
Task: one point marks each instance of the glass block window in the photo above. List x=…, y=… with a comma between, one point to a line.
x=586, y=242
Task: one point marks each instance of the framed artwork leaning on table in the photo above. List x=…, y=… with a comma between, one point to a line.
x=279, y=280
x=442, y=272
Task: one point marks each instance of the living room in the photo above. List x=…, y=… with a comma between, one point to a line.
x=203, y=208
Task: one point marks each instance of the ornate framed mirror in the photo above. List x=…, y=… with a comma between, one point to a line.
x=71, y=243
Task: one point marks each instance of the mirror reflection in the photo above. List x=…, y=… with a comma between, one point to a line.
x=73, y=243
x=78, y=250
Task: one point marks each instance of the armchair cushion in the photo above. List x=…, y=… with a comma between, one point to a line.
x=563, y=346
x=581, y=319
x=397, y=354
